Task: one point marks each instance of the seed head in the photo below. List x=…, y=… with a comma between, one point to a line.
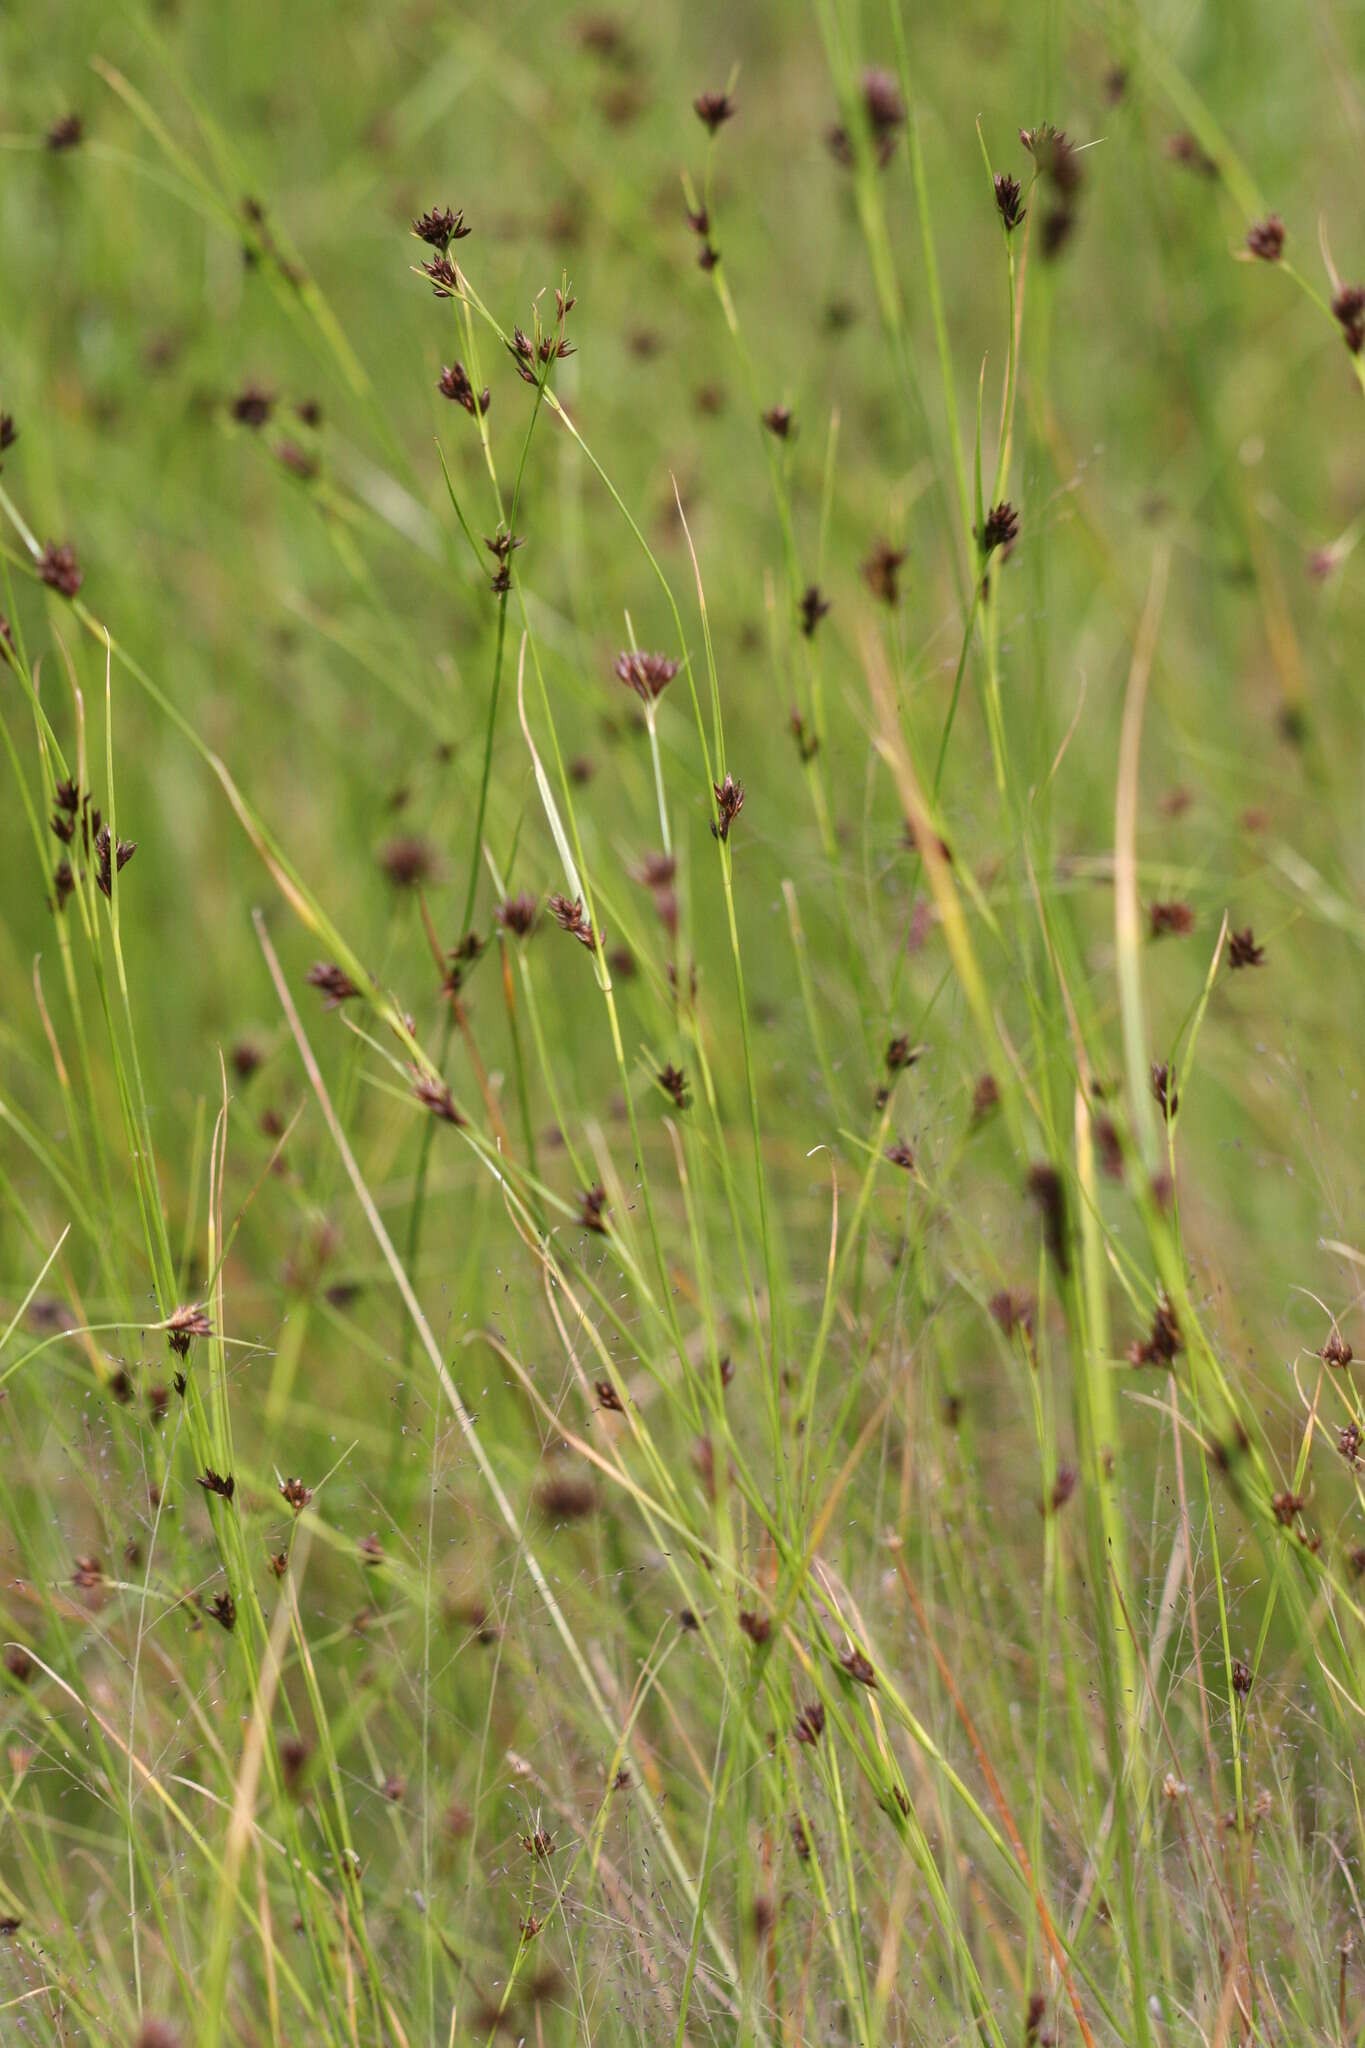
x=592, y=1208
x=673, y=1081
x=1348, y=310
x=1241, y=1677
x=883, y=109
x=985, y=1097
x=807, y=742
x=812, y=608
x=570, y=917
x=516, y=914
x=810, y=1724
x=729, y=802
x=1336, y=1352
x=224, y=1611
x=858, y=1666
x=252, y=407
x=900, y=1054
x=87, y=1574
x=649, y=675
x=779, y=421
x=566, y=1497
x=183, y=1324
x=445, y=279
x=1164, y=1343
x=1063, y=1486
x=408, y=860
x=453, y=383
x=1243, y=950
x=1164, y=1089
x=296, y=1494
x=1055, y=156
x=608, y=1398
x=105, y=855
x=67, y=133
x=1007, y=200
x=1012, y=1311
x=1001, y=529
x=1175, y=918
x=713, y=109
x=1265, y=238
x=215, y=1482
x=881, y=571
x=59, y=569
x=435, y=1096
x=901, y=1155
x=1348, y=1442
x=19, y=1664
x=333, y=981
x=1186, y=150
x=1048, y=1190
x=757, y=1627
x=439, y=227
x=156, y=2034
x=540, y=1843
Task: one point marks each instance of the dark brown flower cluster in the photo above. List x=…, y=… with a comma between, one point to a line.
x=1348, y=310
x=810, y=1724
x=1008, y=200
x=59, y=569
x=438, y=227
x=814, y=604
x=807, y=739
x=435, y=1095
x=1164, y=1089
x=713, y=109
x=1187, y=151
x=108, y=855
x=1265, y=238
x=445, y=278
x=570, y=916
x=408, y=861
x=251, y=407
x=649, y=675
x=881, y=571
x=1243, y=950
x=673, y=1081
x=333, y=981
x=729, y=804
x=699, y=220
x=453, y=383
x=502, y=546
x=545, y=348
x=1000, y=530
x=516, y=914
x=592, y=1208
x=1048, y=1191
x=1170, y=919
x=780, y=421
x=183, y=1324
x=1059, y=168
x=1165, y=1341
x=883, y=113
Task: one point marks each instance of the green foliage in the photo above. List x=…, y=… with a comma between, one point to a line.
x=678, y=1097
